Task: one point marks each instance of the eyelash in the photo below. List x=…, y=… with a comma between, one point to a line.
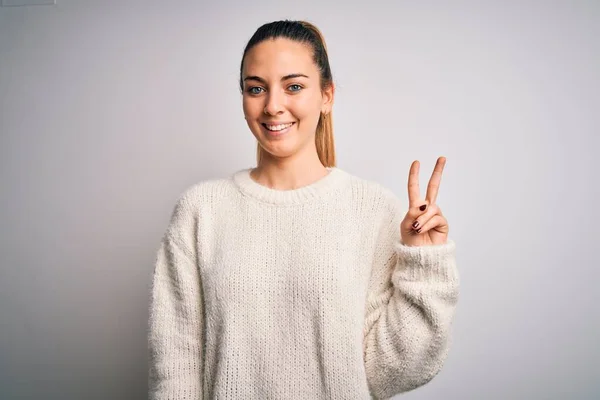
x=249, y=90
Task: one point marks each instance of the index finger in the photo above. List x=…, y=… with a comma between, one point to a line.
x=436, y=179
x=413, y=184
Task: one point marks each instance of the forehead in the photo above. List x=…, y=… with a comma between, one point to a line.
x=279, y=57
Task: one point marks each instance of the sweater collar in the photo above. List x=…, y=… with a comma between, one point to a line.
x=324, y=186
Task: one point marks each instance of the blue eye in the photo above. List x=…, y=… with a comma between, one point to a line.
x=297, y=90
x=252, y=91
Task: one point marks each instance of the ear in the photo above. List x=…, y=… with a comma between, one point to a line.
x=328, y=95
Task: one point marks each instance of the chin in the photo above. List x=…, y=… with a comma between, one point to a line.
x=284, y=146
x=279, y=151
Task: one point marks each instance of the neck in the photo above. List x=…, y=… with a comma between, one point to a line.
x=289, y=173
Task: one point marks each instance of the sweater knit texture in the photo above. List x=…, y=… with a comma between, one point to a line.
x=307, y=293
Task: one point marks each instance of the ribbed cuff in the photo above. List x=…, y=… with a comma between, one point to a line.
x=181, y=387
x=429, y=263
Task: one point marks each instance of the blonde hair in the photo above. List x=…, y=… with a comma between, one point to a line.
x=304, y=32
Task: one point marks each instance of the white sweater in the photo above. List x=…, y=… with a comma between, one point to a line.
x=301, y=294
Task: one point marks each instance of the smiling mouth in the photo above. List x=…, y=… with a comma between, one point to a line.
x=277, y=127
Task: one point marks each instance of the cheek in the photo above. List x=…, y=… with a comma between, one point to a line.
x=251, y=107
x=308, y=108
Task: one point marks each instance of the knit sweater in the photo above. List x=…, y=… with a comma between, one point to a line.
x=307, y=293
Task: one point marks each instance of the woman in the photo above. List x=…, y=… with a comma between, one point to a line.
x=295, y=279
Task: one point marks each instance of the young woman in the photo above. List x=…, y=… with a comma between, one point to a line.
x=295, y=279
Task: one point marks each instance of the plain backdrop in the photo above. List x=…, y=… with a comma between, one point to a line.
x=110, y=109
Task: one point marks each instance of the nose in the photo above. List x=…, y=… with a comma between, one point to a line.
x=275, y=103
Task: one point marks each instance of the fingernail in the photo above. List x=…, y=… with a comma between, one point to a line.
x=423, y=207
x=419, y=230
x=415, y=224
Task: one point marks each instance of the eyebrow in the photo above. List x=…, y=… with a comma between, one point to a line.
x=285, y=78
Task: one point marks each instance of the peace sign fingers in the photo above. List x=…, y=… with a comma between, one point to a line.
x=436, y=179
x=424, y=223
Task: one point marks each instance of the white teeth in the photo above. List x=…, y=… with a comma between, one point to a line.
x=278, y=127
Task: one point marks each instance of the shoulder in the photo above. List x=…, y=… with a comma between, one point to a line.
x=207, y=190
x=374, y=195
x=203, y=196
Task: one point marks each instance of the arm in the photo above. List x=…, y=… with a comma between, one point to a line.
x=413, y=292
x=176, y=320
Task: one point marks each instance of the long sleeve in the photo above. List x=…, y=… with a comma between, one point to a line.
x=413, y=292
x=176, y=320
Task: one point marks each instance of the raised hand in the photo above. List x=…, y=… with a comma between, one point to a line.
x=424, y=223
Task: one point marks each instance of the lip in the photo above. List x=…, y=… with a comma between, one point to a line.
x=279, y=133
x=278, y=123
